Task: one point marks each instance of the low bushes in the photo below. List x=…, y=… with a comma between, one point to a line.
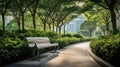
x=78, y=35
x=66, y=35
x=67, y=41
x=108, y=48
x=12, y=48
x=36, y=33
x=73, y=35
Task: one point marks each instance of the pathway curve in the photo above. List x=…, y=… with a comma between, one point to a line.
x=73, y=56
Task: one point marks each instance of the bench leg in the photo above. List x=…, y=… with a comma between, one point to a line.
x=36, y=51
x=56, y=48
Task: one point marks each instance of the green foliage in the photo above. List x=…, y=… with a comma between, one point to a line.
x=67, y=35
x=78, y=35
x=107, y=47
x=13, y=45
x=67, y=41
x=85, y=33
x=12, y=48
x=73, y=35
x=12, y=26
x=37, y=33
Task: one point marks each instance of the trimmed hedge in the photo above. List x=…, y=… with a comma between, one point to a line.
x=108, y=48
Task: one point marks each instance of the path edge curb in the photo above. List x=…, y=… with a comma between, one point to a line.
x=100, y=61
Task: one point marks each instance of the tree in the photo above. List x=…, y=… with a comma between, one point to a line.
x=89, y=26
x=33, y=9
x=42, y=11
x=104, y=16
x=3, y=9
x=22, y=6
x=109, y=5
x=53, y=12
x=15, y=13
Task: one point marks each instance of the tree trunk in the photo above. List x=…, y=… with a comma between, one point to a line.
x=64, y=29
x=34, y=21
x=23, y=28
x=44, y=24
x=3, y=20
x=113, y=19
x=53, y=26
x=18, y=23
x=90, y=32
x=49, y=27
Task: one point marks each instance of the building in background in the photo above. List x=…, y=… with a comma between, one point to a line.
x=74, y=25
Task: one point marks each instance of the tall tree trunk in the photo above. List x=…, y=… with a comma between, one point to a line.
x=49, y=27
x=44, y=24
x=3, y=20
x=18, y=22
x=53, y=26
x=64, y=30
x=90, y=32
x=113, y=19
x=34, y=21
x=23, y=28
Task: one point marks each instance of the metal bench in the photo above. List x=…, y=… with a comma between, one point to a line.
x=40, y=43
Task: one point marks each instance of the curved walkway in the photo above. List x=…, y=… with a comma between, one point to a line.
x=73, y=56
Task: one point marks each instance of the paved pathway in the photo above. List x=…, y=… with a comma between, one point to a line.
x=73, y=56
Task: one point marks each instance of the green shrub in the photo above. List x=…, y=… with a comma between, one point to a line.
x=66, y=41
x=108, y=48
x=37, y=33
x=67, y=35
x=78, y=35
x=12, y=48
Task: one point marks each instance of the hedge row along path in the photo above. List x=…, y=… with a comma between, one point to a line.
x=73, y=56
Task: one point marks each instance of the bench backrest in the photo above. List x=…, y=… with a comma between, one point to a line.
x=38, y=40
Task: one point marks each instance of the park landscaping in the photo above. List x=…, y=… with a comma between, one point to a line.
x=108, y=48
x=14, y=46
x=43, y=18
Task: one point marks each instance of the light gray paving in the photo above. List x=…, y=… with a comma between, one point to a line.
x=73, y=56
